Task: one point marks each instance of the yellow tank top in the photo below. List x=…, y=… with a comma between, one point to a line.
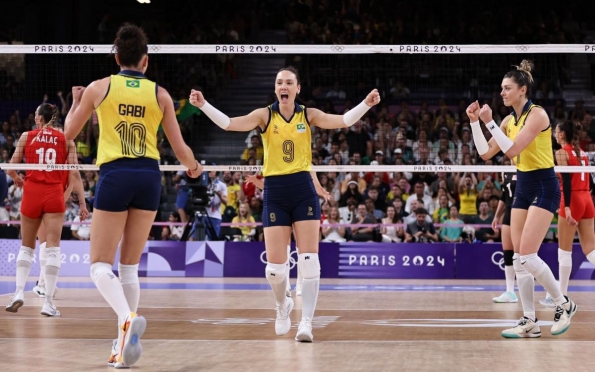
x=129, y=117
x=287, y=144
x=468, y=201
x=539, y=154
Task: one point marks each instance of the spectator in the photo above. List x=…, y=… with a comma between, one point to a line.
x=233, y=192
x=419, y=194
x=392, y=234
x=256, y=146
x=247, y=232
x=333, y=233
x=218, y=190
x=374, y=213
x=421, y=231
x=176, y=231
x=82, y=231
x=485, y=234
x=451, y=232
x=362, y=233
x=348, y=212
x=398, y=204
x=442, y=210
x=412, y=217
x=468, y=197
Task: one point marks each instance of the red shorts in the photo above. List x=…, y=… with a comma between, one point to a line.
x=581, y=206
x=40, y=198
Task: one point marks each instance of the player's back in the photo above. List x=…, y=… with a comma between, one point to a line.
x=45, y=146
x=580, y=181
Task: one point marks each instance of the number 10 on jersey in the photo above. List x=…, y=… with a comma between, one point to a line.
x=133, y=138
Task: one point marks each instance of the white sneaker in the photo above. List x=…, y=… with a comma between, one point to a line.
x=548, y=301
x=298, y=289
x=525, y=327
x=304, y=333
x=17, y=301
x=114, y=354
x=49, y=310
x=283, y=322
x=562, y=317
x=506, y=297
x=134, y=327
x=39, y=290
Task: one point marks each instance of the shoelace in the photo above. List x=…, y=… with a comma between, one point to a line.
x=559, y=311
x=522, y=321
x=281, y=313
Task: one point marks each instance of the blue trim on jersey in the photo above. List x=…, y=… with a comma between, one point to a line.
x=131, y=73
x=297, y=108
x=525, y=108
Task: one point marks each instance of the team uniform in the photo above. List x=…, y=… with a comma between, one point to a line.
x=579, y=196
x=508, y=189
x=537, y=183
x=289, y=194
x=128, y=159
x=43, y=191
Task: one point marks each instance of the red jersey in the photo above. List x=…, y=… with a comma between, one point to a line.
x=580, y=181
x=46, y=146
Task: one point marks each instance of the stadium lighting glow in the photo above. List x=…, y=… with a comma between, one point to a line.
x=144, y=1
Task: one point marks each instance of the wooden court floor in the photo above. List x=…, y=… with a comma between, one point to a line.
x=360, y=325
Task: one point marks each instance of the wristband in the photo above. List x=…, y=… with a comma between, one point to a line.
x=501, y=139
x=479, y=140
x=216, y=116
x=352, y=116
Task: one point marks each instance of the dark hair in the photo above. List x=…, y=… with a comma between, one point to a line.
x=572, y=131
x=293, y=70
x=130, y=44
x=421, y=211
x=49, y=113
x=522, y=75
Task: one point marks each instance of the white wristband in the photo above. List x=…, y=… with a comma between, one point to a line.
x=216, y=116
x=352, y=116
x=479, y=140
x=501, y=139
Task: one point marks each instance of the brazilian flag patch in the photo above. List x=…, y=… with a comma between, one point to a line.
x=133, y=83
x=301, y=128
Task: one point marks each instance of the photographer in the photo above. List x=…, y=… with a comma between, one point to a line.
x=217, y=194
x=421, y=231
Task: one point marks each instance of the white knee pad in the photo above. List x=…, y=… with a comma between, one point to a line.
x=25, y=254
x=516, y=263
x=128, y=274
x=53, y=257
x=42, y=253
x=564, y=257
x=100, y=268
x=309, y=265
x=275, y=273
x=533, y=263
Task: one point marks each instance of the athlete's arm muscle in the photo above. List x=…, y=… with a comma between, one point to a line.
x=84, y=100
x=74, y=178
x=19, y=152
x=257, y=118
x=323, y=120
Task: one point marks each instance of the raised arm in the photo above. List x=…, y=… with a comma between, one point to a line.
x=74, y=179
x=17, y=157
x=84, y=101
x=330, y=121
x=257, y=118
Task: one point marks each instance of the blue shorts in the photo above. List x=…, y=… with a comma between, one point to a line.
x=539, y=188
x=128, y=183
x=288, y=199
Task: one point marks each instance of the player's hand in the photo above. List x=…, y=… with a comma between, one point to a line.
x=495, y=223
x=77, y=92
x=195, y=173
x=18, y=181
x=485, y=114
x=196, y=98
x=473, y=111
x=571, y=221
x=251, y=179
x=373, y=98
x=83, y=212
x=321, y=191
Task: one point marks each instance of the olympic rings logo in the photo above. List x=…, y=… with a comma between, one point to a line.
x=155, y=48
x=522, y=48
x=292, y=261
x=499, y=262
x=337, y=48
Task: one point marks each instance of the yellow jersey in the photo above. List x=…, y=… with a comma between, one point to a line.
x=539, y=154
x=287, y=143
x=129, y=117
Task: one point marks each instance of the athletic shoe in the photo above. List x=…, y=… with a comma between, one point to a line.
x=113, y=358
x=17, y=301
x=525, y=327
x=548, y=301
x=283, y=322
x=130, y=349
x=298, y=289
x=39, y=290
x=49, y=310
x=304, y=333
x=506, y=297
x=562, y=316
x=288, y=293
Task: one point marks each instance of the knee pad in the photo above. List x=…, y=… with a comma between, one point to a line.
x=53, y=257
x=516, y=263
x=533, y=263
x=564, y=257
x=508, y=257
x=309, y=265
x=25, y=254
x=100, y=268
x=128, y=274
x=42, y=253
x=276, y=273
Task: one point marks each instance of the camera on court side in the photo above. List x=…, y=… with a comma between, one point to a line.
x=199, y=195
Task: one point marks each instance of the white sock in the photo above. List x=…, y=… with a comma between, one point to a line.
x=24, y=259
x=276, y=276
x=526, y=286
x=42, y=257
x=509, y=274
x=110, y=288
x=130, y=284
x=543, y=274
x=591, y=257
x=310, y=267
x=288, y=268
x=52, y=269
x=564, y=269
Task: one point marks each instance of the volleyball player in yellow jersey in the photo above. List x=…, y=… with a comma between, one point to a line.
x=130, y=108
x=526, y=136
x=289, y=194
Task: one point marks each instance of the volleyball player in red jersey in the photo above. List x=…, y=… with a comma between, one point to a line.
x=576, y=205
x=43, y=200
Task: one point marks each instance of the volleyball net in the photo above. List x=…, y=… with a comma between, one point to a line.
x=418, y=133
